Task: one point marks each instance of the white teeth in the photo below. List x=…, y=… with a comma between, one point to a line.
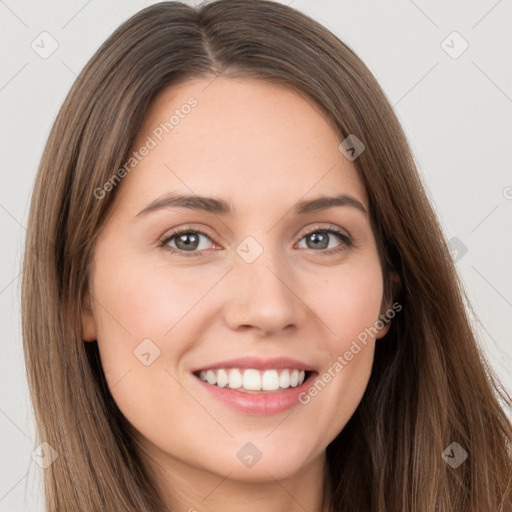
x=234, y=378
x=253, y=380
x=211, y=377
x=284, y=379
x=270, y=380
x=222, y=378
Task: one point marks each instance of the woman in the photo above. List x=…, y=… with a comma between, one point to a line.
x=189, y=344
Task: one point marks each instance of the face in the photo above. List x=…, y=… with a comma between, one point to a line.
x=257, y=289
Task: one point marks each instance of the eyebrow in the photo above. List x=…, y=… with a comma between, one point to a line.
x=221, y=207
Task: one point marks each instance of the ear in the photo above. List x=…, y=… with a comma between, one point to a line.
x=387, y=310
x=386, y=324
x=88, y=322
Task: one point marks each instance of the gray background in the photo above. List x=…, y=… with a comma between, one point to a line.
x=456, y=111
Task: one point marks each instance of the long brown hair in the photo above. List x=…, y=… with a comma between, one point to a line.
x=430, y=385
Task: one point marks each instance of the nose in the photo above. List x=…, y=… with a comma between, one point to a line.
x=261, y=296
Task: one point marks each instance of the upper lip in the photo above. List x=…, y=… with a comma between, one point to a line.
x=258, y=363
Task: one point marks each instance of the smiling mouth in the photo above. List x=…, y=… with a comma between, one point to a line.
x=250, y=380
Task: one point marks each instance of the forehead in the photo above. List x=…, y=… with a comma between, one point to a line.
x=250, y=141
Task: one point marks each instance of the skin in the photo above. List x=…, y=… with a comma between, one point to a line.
x=262, y=147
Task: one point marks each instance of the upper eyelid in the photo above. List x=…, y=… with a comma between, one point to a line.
x=328, y=227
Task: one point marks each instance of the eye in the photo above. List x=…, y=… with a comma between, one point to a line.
x=320, y=238
x=185, y=240
x=188, y=242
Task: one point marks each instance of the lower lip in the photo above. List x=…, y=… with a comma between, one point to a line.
x=258, y=404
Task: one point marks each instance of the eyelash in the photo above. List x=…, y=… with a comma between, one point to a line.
x=347, y=241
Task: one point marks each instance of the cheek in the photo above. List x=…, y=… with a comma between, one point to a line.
x=348, y=302
x=349, y=305
x=131, y=310
x=143, y=301
x=141, y=337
